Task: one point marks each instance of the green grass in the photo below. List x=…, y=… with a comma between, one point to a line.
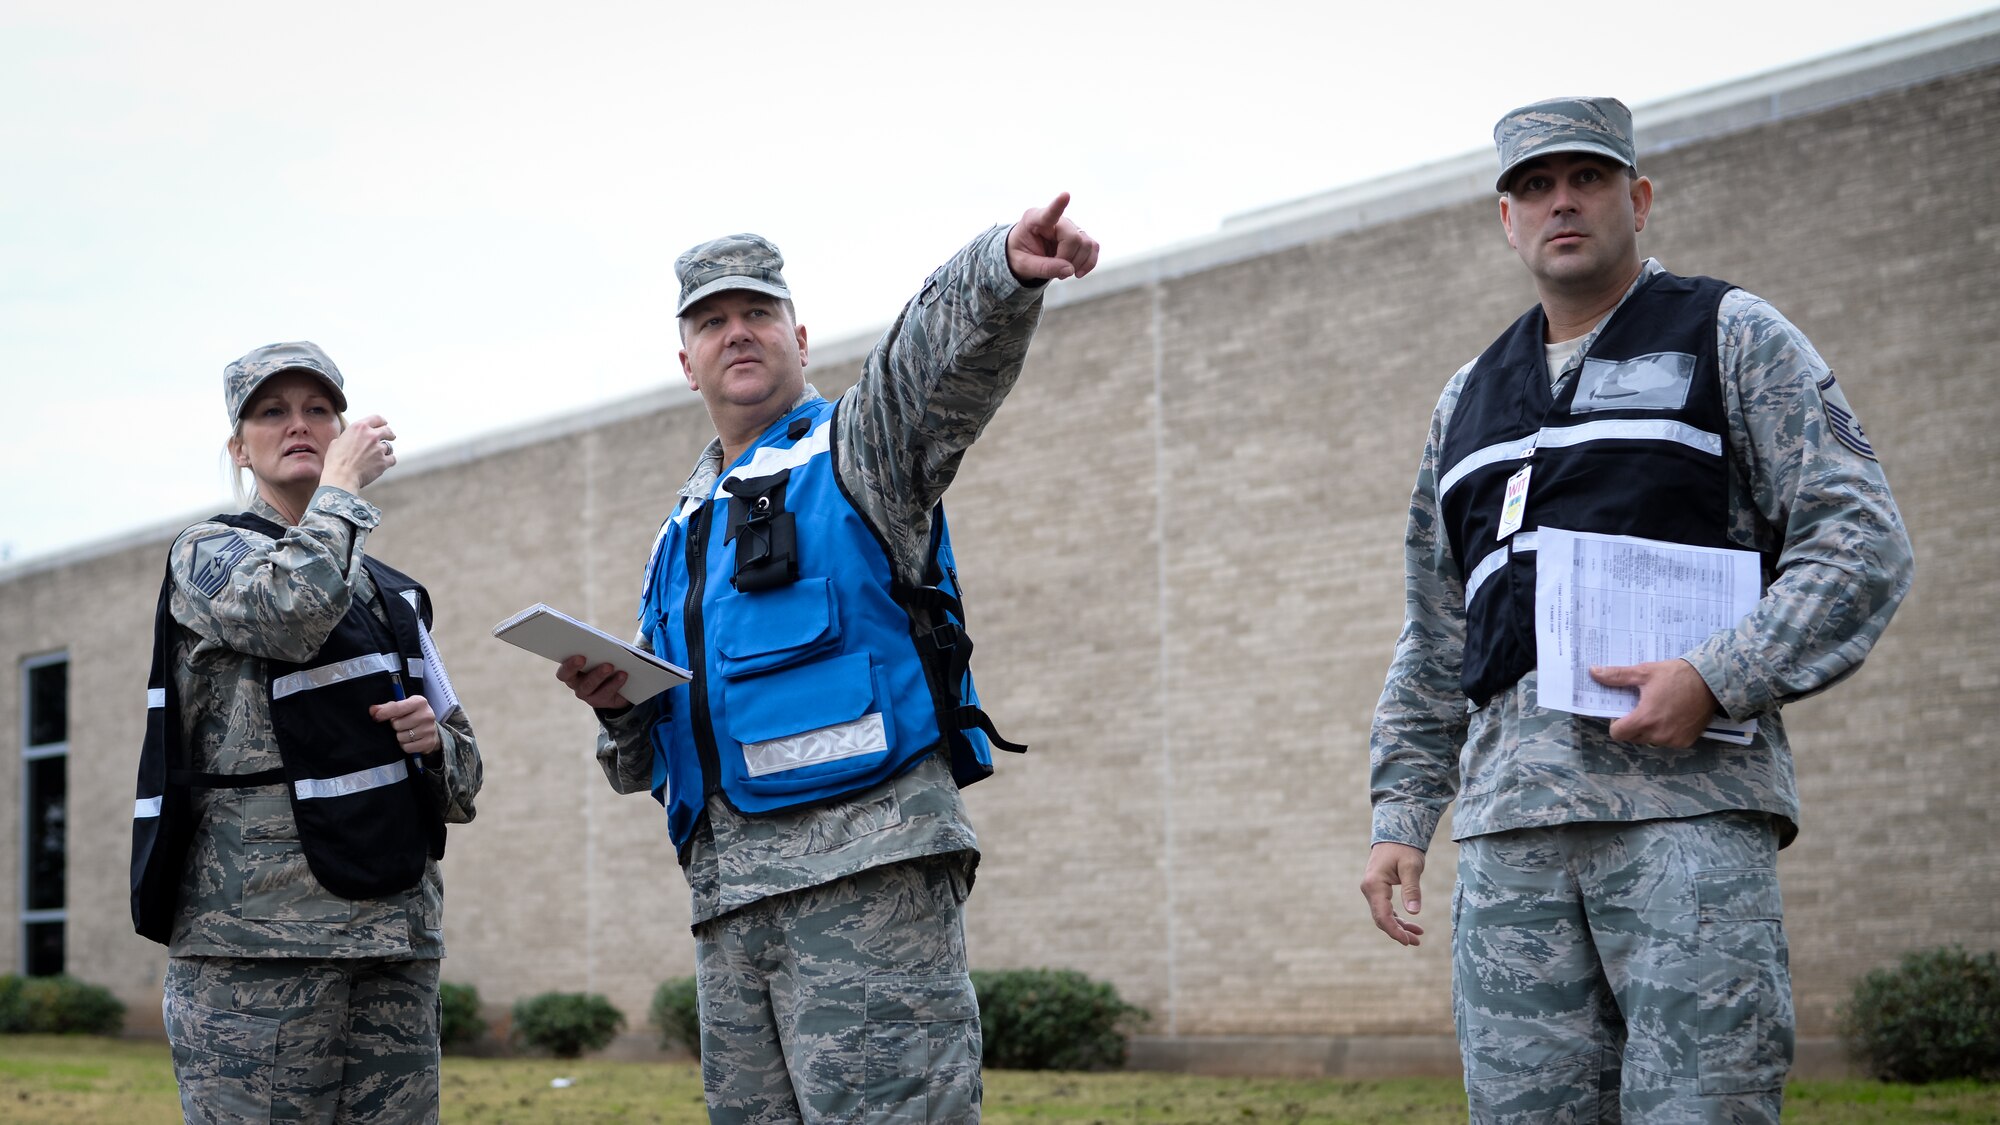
x=47, y=1079
x=1179, y=1099
x=57, y=1078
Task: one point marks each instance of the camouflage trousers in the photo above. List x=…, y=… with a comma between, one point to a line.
x=848, y=1002
x=283, y=1039
x=1630, y=972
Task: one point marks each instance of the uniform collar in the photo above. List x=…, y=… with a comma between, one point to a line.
x=1647, y=269
x=708, y=466
x=262, y=507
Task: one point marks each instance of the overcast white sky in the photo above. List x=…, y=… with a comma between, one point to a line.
x=475, y=208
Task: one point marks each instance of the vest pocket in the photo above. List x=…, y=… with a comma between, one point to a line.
x=803, y=727
x=772, y=629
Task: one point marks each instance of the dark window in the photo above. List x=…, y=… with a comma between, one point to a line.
x=44, y=813
x=48, y=781
x=44, y=953
x=48, y=703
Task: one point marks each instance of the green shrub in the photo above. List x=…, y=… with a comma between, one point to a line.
x=58, y=1005
x=459, y=1021
x=677, y=1014
x=13, y=1008
x=566, y=1024
x=1052, y=1019
x=1936, y=1016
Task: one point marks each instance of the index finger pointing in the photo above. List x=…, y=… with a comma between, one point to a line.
x=1053, y=213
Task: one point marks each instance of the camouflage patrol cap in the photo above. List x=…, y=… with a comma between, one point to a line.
x=1599, y=125
x=734, y=261
x=241, y=379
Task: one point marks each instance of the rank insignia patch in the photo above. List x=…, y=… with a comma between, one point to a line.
x=214, y=557
x=1841, y=421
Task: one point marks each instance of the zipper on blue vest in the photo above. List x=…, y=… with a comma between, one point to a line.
x=697, y=651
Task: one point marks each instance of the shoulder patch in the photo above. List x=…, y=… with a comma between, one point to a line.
x=214, y=557
x=1840, y=421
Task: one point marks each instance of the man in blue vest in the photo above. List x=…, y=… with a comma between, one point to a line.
x=811, y=769
x=1618, y=941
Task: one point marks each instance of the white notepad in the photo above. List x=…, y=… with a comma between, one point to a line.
x=557, y=636
x=436, y=686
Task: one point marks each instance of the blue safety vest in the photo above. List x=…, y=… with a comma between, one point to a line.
x=1633, y=445
x=817, y=673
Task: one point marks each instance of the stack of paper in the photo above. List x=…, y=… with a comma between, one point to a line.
x=1617, y=599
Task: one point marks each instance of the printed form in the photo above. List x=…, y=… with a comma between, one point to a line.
x=1618, y=599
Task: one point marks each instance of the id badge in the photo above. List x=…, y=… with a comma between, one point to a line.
x=1515, y=507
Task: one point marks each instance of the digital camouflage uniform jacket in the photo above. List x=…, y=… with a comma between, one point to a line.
x=247, y=891
x=1805, y=492
x=926, y=391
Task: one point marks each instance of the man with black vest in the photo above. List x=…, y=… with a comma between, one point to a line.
x=1618, y=942
x=811, y=770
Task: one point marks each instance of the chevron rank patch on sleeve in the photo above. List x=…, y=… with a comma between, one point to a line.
x=1846, y=429
x=214, y=557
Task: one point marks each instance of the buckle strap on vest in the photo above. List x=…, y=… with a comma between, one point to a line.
x=927, y=597
x=966, y=717
x=954, y=650
x=199, y=780
x=949, y=651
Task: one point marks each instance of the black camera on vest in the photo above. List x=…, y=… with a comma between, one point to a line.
x=767, y=554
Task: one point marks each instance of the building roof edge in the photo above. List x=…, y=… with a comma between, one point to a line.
x=1815, y=84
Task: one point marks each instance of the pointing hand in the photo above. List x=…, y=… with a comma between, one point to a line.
x=1044, y=246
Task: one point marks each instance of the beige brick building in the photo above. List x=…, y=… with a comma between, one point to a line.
x=1182, y=543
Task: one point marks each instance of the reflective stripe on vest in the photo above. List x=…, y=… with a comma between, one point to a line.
x=1563, y=437
x=865, y=735
x=1489, y=566
x=326, y=675
x=359, y=781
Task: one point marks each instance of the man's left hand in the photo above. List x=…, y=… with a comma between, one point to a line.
x=1044, y=246
x=1675, y=705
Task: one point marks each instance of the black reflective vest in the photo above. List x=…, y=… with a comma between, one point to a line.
x=367, y=822
x=1635, y=444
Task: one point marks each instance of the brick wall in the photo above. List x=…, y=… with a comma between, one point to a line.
x=1181, y=544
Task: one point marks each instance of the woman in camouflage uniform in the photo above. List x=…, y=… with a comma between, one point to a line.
x=283, y=998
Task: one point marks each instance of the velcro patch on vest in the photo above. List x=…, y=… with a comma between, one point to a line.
x=214, y=557
x=1840, y=421
x=865, y=735
x=1660, y=381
